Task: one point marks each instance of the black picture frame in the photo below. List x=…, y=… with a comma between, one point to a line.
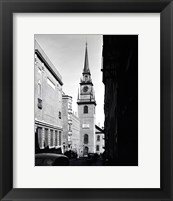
x=7, y=8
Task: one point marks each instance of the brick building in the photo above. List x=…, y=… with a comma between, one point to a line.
x=86, y=110
x=100, y=140
x=47, y=103
x=75, y=138
x=67, y=122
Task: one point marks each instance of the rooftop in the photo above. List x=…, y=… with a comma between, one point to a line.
x=42, y=55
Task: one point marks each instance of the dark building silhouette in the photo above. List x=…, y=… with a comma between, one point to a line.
x=120, y=77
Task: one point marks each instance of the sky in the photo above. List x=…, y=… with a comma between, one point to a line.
x=67, y=53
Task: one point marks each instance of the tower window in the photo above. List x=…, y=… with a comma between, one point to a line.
x=85, y=109
x=85, y=139
x=97, y=148
x=98, y=138
x=86, y=77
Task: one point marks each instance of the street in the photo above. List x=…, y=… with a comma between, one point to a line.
x=86, y=162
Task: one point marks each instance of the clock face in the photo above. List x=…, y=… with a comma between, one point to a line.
x=85, y=89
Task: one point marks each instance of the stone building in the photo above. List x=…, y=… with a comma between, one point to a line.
x=47, y=103
x=100, y=140
x=86, y=110
x=71, y=126
x=67, y=122
x=75, y=138
x=120, y=77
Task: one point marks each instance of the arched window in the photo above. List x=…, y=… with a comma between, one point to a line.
x=85, y=139
x=85, y=151
x=85, y=109
x=98, y=137
x=97, y=148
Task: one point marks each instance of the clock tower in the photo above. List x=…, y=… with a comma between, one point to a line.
x=86, y=110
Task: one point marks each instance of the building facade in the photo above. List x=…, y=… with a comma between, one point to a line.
x=120, y=77
x=67, y=122
x=100, y=140
x=86, y=110
x=47, y=103
x=75, y=138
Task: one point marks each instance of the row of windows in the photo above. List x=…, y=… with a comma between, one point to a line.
x=97, y=148
x=99, y=137
x=86, y=138
x=49, y=138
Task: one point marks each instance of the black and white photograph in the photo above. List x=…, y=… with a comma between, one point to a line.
x=86, y=100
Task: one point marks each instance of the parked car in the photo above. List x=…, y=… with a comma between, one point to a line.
x=51, y=159
x=71, y=154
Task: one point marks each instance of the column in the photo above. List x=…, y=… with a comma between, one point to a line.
x=42, y=138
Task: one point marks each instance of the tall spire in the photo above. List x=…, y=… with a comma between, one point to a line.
x=86, y=63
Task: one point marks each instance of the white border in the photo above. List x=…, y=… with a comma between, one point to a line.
x=147, y=174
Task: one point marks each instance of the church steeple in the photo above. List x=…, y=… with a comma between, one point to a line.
x=86, y=69
x=86, y=86
x=86, y=110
